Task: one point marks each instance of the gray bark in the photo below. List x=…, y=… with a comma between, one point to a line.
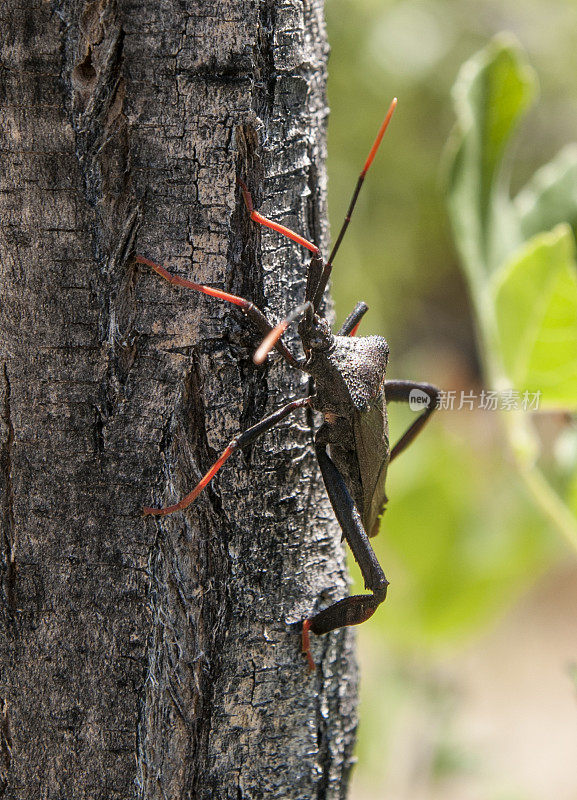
x=146, y=658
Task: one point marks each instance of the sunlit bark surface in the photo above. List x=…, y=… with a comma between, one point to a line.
x=155, y=658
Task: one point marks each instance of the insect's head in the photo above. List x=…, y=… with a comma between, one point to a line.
x=315, y=331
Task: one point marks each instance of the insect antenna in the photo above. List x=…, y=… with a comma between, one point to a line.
x=325, y=275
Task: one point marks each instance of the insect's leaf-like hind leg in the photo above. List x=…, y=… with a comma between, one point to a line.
x=358, y=608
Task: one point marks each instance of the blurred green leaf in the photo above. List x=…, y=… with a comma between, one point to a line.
x=550, y=197
x=399, y=256
x=491, y=93
x=525, y=297
x=535, y=297
x=573, y=494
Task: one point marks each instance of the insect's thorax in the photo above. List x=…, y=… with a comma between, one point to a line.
x=349, y=376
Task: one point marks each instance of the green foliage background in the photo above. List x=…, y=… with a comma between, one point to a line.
x=464, y=534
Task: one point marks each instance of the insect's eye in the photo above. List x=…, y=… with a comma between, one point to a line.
x=320, y=334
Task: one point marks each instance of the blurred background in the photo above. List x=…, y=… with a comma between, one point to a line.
x=469, y=687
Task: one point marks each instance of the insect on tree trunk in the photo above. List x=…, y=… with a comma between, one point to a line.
x=155, y=658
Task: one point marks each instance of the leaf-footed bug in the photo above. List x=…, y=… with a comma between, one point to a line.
x=351, y=392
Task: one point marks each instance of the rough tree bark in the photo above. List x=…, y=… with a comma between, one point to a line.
x=155, y=658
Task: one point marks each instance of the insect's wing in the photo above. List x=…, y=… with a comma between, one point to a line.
x=372, y=445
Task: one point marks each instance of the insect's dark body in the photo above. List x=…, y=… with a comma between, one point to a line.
x=352, y=392
x=349, y=382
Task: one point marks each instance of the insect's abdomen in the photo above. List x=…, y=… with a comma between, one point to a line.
x=371, y=431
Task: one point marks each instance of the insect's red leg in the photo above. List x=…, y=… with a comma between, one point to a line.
x=253, y=312
x=176, y=280
x=240, y=441
x=273, y=337
x=316, y=265
x=191, y=497
x=275, y=226
x=306, y=645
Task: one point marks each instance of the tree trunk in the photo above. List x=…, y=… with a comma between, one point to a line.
x=156, y=658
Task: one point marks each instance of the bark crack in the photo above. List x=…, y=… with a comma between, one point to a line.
x=5, y=747
x=9, y=527
x=265, y=73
